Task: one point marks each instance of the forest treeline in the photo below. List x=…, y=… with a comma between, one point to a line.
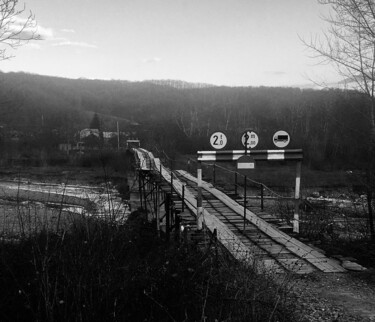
x=330, y=125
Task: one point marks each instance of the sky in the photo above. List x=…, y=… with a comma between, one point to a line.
x=220, y=42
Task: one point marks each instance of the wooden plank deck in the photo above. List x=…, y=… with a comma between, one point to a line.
x=319, y=260
x=265, y=245
x=225, y=236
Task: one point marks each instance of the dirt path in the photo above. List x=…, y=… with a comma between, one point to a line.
x=336, y=297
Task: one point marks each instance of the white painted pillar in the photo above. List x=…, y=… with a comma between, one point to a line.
x=297, y=197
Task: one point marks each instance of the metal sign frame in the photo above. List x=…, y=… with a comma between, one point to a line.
x=295, y=155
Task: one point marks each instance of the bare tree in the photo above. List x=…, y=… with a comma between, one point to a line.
x=15, y=30
x=349, y=44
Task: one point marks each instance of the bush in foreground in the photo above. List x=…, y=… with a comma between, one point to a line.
x=100, y=271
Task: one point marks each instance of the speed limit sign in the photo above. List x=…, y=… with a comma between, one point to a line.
x=218, y=140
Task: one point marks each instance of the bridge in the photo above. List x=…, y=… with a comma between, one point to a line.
x=172, y=199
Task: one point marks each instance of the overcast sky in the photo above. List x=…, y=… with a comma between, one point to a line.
x=222, y=42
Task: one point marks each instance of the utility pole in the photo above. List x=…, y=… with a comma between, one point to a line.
x=118, y=138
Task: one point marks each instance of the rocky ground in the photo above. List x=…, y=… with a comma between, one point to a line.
x=345, y=297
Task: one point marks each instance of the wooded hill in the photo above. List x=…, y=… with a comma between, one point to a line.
x=330, y=125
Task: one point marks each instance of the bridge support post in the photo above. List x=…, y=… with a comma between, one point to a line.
x=183, y=199
x=244, y=203
x=177, y=223
x=140, y=188
x=171, y=177
x=167, y=216
x=297, y=197
x=199, y=198
x=235, y=183
x=157, y=209
x=145, y=186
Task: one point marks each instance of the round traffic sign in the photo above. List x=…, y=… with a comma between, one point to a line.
x=218, y=140
x=249, y=139
x=281, y=139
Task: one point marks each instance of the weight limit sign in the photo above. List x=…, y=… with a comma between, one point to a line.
x=218, y=140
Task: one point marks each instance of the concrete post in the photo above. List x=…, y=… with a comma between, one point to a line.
x=297, y=197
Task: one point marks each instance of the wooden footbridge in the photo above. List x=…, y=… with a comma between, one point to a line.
x=171, y=198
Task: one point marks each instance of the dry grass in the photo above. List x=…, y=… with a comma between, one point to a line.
x=99, y=270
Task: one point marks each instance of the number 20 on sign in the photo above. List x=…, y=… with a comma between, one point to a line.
x=218, y=140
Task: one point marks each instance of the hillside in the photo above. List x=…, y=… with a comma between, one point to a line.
x=330, y=125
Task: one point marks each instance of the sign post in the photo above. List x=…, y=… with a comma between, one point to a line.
x=245, y=163
x=296, y=198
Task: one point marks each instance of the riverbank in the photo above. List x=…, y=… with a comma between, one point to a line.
x=51, y=198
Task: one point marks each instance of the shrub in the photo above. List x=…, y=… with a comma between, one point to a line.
x=101, y=271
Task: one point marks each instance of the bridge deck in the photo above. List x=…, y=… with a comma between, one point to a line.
x=275, y=242
x=144, y=159
x=260, y=242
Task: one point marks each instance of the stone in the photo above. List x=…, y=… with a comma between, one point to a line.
x=351, y=266
x=315, y=194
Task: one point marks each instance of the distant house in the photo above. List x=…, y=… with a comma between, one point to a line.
x=93, y=138
x=85, y=133
x=65, y=147
x=109, y=135
x=15, y=136
x=111, y=139
x=89, y=139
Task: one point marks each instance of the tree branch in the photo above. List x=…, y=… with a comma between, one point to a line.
x=15, y=31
